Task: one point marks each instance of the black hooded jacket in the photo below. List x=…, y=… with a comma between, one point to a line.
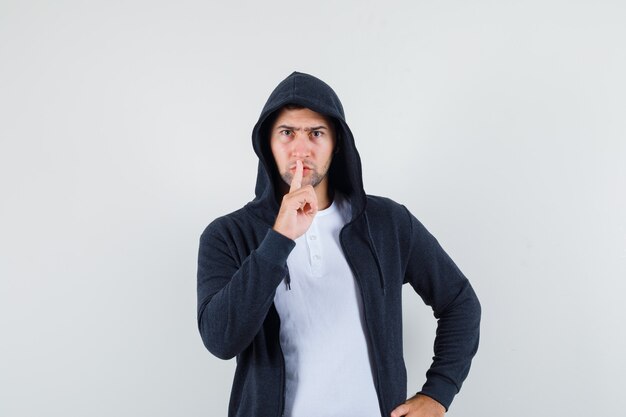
x=242, y=261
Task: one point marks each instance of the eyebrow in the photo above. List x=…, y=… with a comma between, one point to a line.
x=305, y=129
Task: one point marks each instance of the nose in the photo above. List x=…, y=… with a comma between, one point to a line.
x=301, y=145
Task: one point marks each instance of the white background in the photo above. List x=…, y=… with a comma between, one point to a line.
x=125, y=129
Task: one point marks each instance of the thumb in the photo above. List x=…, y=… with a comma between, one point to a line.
x=400, y=410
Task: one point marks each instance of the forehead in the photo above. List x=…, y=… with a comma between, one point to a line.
x=300, y=118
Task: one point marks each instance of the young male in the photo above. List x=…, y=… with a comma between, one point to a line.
x=304, y=283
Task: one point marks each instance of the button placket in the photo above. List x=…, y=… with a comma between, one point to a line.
x=315, y=250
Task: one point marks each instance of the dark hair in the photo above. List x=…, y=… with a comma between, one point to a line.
x=291, y=106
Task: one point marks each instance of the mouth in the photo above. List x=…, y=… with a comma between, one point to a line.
x=305, y=169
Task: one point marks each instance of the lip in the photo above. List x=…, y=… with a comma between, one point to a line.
x=304, y=170
x=304, y=167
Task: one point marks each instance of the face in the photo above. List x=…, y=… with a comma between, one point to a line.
x=305, y=135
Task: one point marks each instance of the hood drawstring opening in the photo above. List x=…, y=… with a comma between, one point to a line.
x=370, y=242
x=288, y=281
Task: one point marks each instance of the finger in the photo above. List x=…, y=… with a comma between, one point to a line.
x=299, y=198
x=313, y=208
x=312, y=201
x=296, y=182
x=307, y=201
x=305, y=197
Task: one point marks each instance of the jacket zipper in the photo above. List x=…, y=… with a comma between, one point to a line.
x=281, y=411
x=369, y=333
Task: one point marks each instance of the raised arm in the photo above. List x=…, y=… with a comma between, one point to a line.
x=233, y=297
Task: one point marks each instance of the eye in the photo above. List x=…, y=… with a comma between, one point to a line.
x=285, y=132
x=317, y=133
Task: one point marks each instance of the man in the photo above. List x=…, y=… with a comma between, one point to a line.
x=304, y=284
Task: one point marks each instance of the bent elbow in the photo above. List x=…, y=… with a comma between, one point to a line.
x=221, y=351
x=216, y=343
x=218, y=348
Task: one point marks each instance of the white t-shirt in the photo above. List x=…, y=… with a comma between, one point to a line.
x=328, y=368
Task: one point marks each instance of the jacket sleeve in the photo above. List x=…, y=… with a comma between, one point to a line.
x=234, y=297
x=438, y=281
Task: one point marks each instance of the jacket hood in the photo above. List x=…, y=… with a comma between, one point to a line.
x=344, y=174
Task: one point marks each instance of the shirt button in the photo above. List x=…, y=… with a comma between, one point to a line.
x=317, y=257
x=312, y=237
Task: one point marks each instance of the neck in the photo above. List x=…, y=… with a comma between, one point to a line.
x=324, y=195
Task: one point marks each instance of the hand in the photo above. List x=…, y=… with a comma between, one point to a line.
x=419, y=406
x=298, y=208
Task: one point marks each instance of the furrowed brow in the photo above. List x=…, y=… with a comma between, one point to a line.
x=316, y=128
x=281, y=127
x=285, y=127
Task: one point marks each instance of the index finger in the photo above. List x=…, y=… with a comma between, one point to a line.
x=296, y=182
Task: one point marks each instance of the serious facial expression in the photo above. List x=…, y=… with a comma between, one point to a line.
x=305, y=135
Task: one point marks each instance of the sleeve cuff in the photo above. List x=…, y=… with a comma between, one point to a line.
x=440, y=390
x=275, y=247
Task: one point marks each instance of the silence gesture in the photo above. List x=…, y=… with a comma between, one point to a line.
x=298, y=208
